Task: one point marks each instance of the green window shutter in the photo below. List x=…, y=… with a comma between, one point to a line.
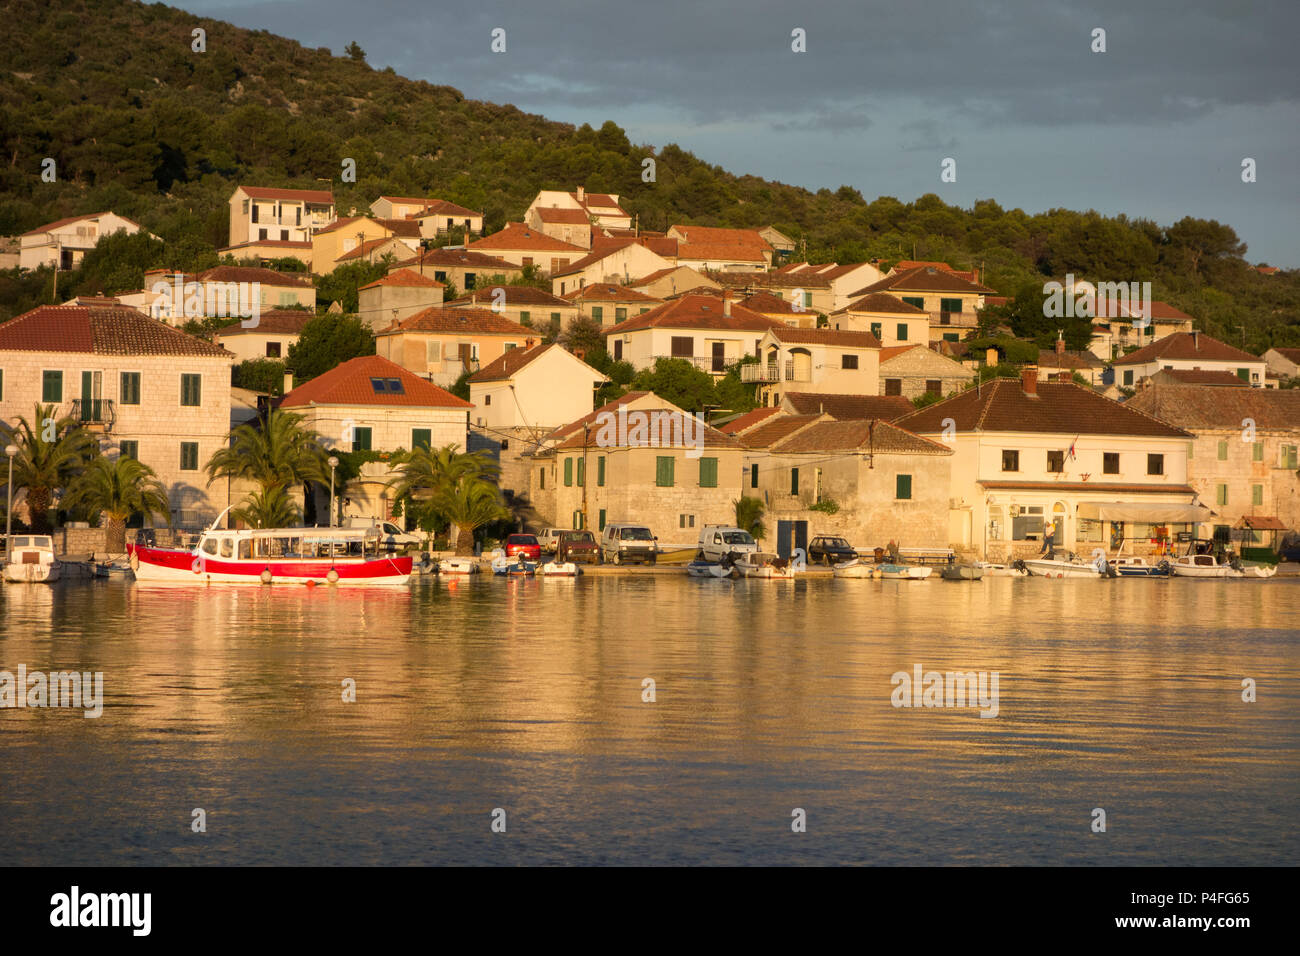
x=1191, y=447
x=129, y=449
x=1223, y=451
x=130, y=388
x=360, y=439
x=1257, y=494
x=51, y=387
x=903, y=486
x=916, y=300
x=664, y=471
x=1221, y=494
x=568, y=472
x=602, y=520
x=877, y=329
x=753, y=476
x=902, y=331
x=1289, y=456
x=950, y=305
x=189, y=456
x=1243, y=374
x=600, y=471
x=525, y=317
x=191, y=389
x=708, y=472
x=597, y=312
x=582, y=472
x=421, y=438
x=577, y=521
x=620, y=314
x=1257, y=451
x=794, y=481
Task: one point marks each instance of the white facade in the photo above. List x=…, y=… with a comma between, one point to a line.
x=67, y=241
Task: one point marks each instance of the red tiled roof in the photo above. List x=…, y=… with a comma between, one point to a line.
x=712, y=437
x=1001, y=405
x=894, y=351
x=514, y=295
x=748, y=420
x=1188, y=376
x=407, y=278
x=349, y=384
x=845, y=339
x=510, y=362
x=406, y=228
x=459, y=321
x=769, y=431
x=925, y=279
x=275, y=322
x=1186, y=346
x=881, y=302
x=462, y=259
x=577, y=217
x=697, y=311
x=857, y=435
x=518, y=235
x=71, y=219
x=607, y=292
x=1195, y=406
x=889, y=407
x=253, y=274
x=731, y=251
x=767, y=303
x=318, y=196
x=342, y=222
x=722, y=236
x=441, y=207
x=761, y=280
x=369, y=246
x=103, y=331
x=1291, y=355
x=590, y=417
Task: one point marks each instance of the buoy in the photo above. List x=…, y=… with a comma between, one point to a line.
x=197, y=566
x=311, y=583
x=332, y=576
x=266, y=576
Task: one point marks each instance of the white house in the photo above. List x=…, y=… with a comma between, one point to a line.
x=285, y=215
x=707, y=330
x=887, y=317
x=600, y=209
x=814, y=360
x=65, y=242
x=1194, y=351
x=611, y=261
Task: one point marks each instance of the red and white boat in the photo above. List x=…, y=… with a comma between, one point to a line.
x=346, y=557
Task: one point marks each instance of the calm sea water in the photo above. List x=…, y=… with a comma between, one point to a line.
x=478, y=694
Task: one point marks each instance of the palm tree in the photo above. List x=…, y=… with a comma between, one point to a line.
x=268, y=508
x=279, y=451
x=470, y=503
x=50, y=457
x=426, y=470
x=119, y=488
x=749, y=516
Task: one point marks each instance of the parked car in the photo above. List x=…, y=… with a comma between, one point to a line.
x=718, y=541
x=1289, y=548
x=550, y=538
x=578, y=547
x=390, y=535
x=525, y=544
x=620, y=543
x=830, y=549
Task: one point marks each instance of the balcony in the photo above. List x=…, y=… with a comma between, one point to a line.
x=96, y=414
x=774, y=372
x=961, y=320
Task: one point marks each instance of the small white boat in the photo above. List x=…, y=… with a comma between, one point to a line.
x=855, y=568
x=1204, y=566
x=904, y=572
x=764, y=564
x=711, y=569
x=513, y=567
x=994, y=570
x=1137, y=567
x=1071, y=566
x=560, y=569
x=458, y=566
x=961, y=572
x=31, y=558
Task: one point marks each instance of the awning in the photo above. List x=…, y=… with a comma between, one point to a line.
x=1260, y=523
x=1152, y=513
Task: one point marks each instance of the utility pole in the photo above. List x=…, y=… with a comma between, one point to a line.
x=585, y=476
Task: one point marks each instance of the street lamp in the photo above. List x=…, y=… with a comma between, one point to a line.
x=334, y=463
x=10, y=450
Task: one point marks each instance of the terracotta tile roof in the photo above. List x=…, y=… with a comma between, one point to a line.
x=1291, y=355
x=276, y=243
x=925, y=279
x=1194, y=406
x=274, y=322
x=575, y=217
x=590, y=418
x=908, y=264
x=712, y=437
x=731, y=251
x=510, y=362
x=748, y=420
x=722, y=236
x=408, y=200
x=858, y=435
x=1001, y=405
x=769, y=431
x=71, y=219
x=1262, y=523
x=1186, y=346
x=1067, y=360
x=894, y=351
x=461, y=259
x=405, y=278
x=1266, y=270
x=406, y=228
x=1160, y=312
x=458, y=321
x=514, y=295
x=317, y=196
x=659, y=245
x=767, y=303
x=1188, y=376
x=857, y=340
x=253, y=274
x=442, y=207
x=881, y=302
x=603, y=250
x=769, y=280
x=370, y=246
x=349, y=384
x=696, y=311
x=889, y=407
x=342, y=222
x=517, y=235
x=103, y=331
x=664, y=273
x=607, y=292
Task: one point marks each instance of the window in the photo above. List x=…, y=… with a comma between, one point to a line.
x=577, y=520
x=903, y=486
x=1257, y=451
x=708, y=472
x=360, y=439
x=568, y=472
x=1056, y=461
x=951, y=337
x=1223, y=451
x=902, y=331
x=794, y=481
x=753, y=476
x=440, y=277
x=1010, y=460
x=487, y=400
x=664, y=471
x=272, y=349
x=256, y=213
x=618, y=350
x=555, y=317
x=541, y=478
x=1288, y=456
x=686, y=521
x=525, y=318
x=261, y=234
x=1155, y=464
x=683, y=346
x=128, y=449
x=916, y=300
x=877, y=329
x=387, y=386
x=1243, y=374
x=620, y=314
x=528, y=261
x=130, y=391
x=433, y=352
x=1256, y=495
x=597, y=313
x=601, y=526
x=933, y=386
x=1110, y=463
x=893, y=386
x=1221, y=494
x=1128, y=376
x=189, y=456
x=848, y=361
x=600, y=472
x=950, y=305
x=469, y=280
x=191, y=389
x=51, y=387
x=582, y=472
x=421, y=438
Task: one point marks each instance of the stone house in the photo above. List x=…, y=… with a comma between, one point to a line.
x=915, y=370
x=397, y=296
x=607, y=304
x=270, y=338
x=442, y=343
x=461, y=268
x=894, y=322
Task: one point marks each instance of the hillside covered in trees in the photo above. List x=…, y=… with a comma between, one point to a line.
x=139, y=123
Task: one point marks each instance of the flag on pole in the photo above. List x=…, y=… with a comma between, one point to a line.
x=1072, y=444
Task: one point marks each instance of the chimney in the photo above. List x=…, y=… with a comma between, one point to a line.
x=528, y=343
x=1196, y=339
x=990, y=356
x=582, y=194
x=288, y=381
x=726, y=306
x=1029, y=379
x=1060, y=344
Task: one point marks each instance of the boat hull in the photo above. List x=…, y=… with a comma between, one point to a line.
x=557, y=569
x=706, y=569
x=32, y=573
x=165, y=566
x=1061, y=569
x=904, y=572
x=961, y=572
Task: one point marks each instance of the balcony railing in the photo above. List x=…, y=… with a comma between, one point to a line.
x=95, y=412
x=962, y=320
x=774, y=372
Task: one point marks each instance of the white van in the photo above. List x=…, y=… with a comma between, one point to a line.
x=620, y=543
x=390, y=535
x=717, y=541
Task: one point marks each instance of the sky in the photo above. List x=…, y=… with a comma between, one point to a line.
x=1157, y=126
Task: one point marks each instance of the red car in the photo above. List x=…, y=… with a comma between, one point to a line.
x=525, y=544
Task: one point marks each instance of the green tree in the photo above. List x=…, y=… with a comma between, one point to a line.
x=678, y=381
x=279, y=451
x=270, y=507
x=342, y=283
x=469, y=504
x=326, y=342
x=117, y=489
x=749, y=516
x=354, y=51
x=457, y=487
x=260, y=375
x=52, y=454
